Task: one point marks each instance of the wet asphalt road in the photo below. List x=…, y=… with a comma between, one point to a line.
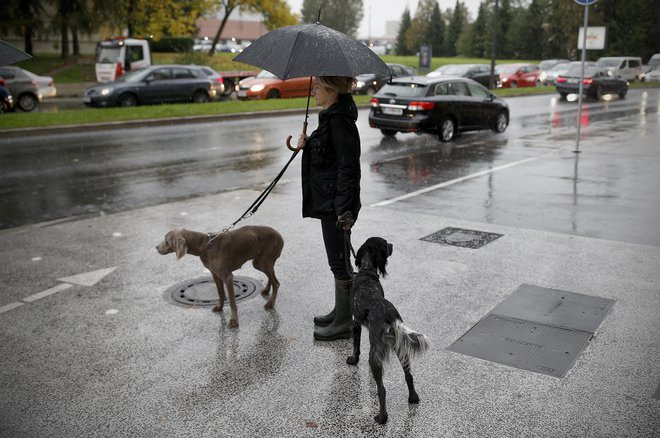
x=56, y=177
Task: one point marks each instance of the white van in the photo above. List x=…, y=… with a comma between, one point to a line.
x=119, y=55
x=628, y=67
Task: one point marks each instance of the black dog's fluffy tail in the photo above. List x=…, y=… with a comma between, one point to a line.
x=408, y=342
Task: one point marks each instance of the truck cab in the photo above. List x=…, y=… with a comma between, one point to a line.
x=116, y=56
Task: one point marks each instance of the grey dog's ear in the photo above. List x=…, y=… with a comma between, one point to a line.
x=181, y=247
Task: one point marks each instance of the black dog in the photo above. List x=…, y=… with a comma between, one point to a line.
x=386, y=329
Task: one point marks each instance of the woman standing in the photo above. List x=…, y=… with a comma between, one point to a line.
x=331, y=190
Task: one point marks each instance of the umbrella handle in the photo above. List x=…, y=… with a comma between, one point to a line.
x=288, y=140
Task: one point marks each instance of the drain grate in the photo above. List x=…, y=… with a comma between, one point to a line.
x=536, y=329
x=462, y=238
x=202, y=292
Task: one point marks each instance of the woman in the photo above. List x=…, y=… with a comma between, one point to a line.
x=331, y=190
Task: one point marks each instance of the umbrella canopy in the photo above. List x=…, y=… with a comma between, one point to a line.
x=311, y=50
x=10, y=54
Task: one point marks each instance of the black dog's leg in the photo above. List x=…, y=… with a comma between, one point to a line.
x=412, y=394
x=377, y=371
x=357, y=331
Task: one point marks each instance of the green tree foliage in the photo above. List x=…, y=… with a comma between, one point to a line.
x=427, y=28
x=342, y=15
x=23, y=17
x=400, y=46
x=458, y=22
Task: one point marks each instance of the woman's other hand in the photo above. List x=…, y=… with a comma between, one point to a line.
x=301, y=140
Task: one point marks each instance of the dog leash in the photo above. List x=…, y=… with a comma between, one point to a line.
x=348, y=250
x=257, y=203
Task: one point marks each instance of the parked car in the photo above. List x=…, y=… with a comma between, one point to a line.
x=653, y=75
x=266, y=85
x=628, y=67
x=24, y=89
x=443, y=105
x=597, y=82
x=370, y=83
x=6, y=100
x=518, y=75
x=477, y=72
x=46, y=84
x=154, y=84
x=215, y=77
x=550, y=69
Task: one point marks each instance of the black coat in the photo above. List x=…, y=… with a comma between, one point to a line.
x=331, y=163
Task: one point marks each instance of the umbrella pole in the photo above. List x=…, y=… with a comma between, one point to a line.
x=309, y=95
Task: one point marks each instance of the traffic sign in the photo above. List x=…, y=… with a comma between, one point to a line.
x=585, y=2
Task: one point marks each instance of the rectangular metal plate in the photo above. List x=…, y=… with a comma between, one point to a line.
x=555, y=307
x=523, y=344
x=462, y=238
x=536, y=329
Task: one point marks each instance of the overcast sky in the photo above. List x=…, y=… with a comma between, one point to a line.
x=377, y=12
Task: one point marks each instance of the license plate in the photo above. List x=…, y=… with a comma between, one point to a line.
x=572, y=81
x=87, y=99
x=392, y=111
x=241, y=93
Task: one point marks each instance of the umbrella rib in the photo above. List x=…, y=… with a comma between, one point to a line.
x=288, y=63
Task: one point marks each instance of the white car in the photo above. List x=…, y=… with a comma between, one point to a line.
x=45, y=84
x=653, y=75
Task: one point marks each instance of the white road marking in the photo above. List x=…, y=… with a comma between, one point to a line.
x=86, y=279
x=47, y=292
x=448, y=183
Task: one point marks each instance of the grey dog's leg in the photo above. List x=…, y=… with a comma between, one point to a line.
x=221, y=294
x=357, y=332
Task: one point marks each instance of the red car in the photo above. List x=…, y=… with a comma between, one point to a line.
x=518, y=75
x=266, y=85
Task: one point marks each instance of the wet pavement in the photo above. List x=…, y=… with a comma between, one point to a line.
x=114, y=356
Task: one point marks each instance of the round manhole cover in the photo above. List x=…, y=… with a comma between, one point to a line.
x=202, y=291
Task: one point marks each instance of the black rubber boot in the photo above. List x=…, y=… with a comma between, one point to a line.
x=324, y=320
x=342, y=326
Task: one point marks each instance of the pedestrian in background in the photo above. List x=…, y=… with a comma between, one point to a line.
x=331, y=190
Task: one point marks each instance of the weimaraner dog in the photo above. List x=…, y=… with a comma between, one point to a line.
x=225, y=253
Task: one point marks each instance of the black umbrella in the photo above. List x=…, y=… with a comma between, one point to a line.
x=10, y=54
x=311, y=50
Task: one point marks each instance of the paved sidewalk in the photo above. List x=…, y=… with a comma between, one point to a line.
x=119, y=359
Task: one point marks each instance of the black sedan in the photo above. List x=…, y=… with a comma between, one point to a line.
x=155, y=84
x=477, y=72
x=444, y=105
x=6, y=100
x=597, y=82
x=370, y=83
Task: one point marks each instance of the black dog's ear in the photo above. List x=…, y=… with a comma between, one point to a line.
x=383, y=252
x=358, y=256
x=390, y=248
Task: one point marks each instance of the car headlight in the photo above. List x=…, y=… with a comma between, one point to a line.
x=542, y=76
x=257, y=88
x=106, y=91
x=359, y=84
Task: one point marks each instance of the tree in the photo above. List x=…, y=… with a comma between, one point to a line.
x=400, y=46
x=437, y=29
x=24, y=18
x=481, y=34
x=342, y=15
x=276, y=14
x=458, y=20
x=427, y=27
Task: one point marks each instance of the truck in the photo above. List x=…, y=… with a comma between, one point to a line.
x=118, y=55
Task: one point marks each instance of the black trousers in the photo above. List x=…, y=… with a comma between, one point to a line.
x=333, y=238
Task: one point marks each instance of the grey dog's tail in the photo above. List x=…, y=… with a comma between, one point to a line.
x=408, y=342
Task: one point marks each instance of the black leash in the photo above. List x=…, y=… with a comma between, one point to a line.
x=260, y=199
x=348, y=250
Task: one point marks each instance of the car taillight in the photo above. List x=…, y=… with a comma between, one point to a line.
x=561, y=79
x=220, y=80
x=587, y=81
x=375, y=103
x=421, y=106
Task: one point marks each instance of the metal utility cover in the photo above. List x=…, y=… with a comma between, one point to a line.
x=555, y=307
x=202, y=291
x=523, y=344
x=462, y=237
x=536, y=329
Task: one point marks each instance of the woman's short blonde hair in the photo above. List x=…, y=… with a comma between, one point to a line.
x=340, y=84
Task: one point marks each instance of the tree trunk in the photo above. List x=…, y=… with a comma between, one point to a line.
x=228, y=11
x=64, y=32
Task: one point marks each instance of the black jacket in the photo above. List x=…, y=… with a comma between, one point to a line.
x=331, y=163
